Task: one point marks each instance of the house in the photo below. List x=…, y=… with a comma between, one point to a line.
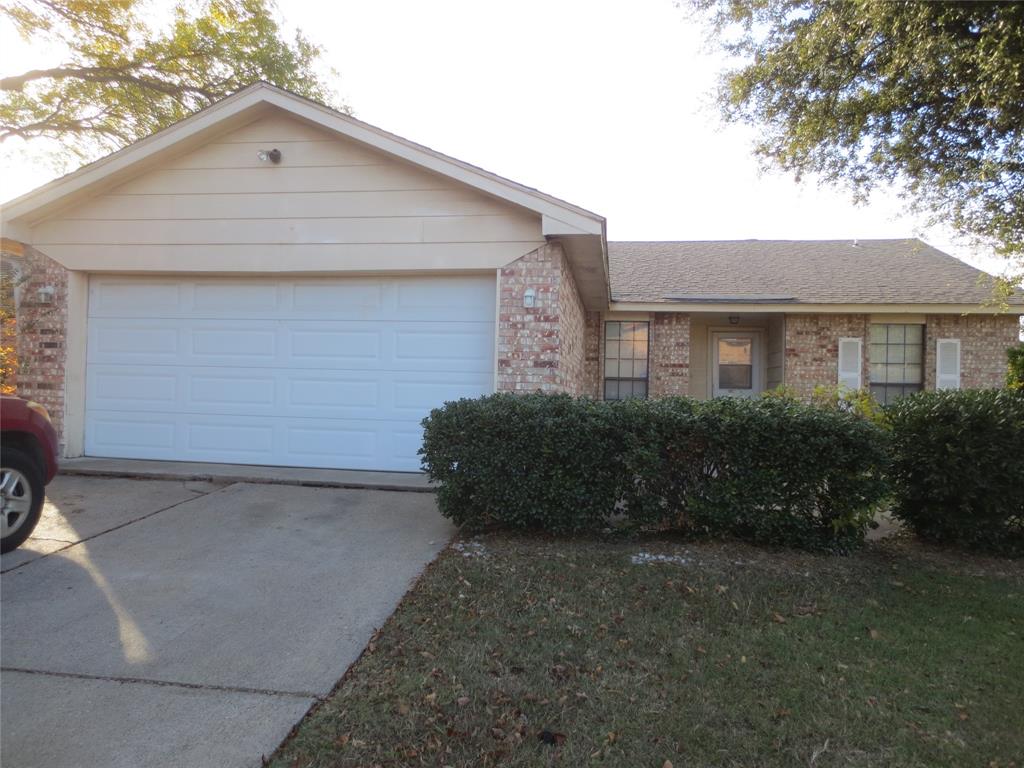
x=272, y=282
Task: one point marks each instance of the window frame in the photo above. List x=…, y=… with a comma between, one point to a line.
x=604, y=361
x=886, y=392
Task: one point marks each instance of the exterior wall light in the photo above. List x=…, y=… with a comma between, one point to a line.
x=44, y=294
x=529, y=297
x=273, y=155
x=734, y=319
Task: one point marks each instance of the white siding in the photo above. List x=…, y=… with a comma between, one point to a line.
x=331, y=203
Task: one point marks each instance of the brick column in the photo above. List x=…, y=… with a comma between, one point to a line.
x=670, y=354
x=540, y=348
x=41, y=318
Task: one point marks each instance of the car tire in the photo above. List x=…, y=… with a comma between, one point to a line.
x=21, y=494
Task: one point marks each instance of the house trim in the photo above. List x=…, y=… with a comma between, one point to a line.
x=815, y=309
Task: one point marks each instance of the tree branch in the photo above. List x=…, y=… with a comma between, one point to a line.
x=103, y=75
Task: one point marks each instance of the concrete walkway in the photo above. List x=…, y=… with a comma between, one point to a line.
x=245, y=473
x=167, y=622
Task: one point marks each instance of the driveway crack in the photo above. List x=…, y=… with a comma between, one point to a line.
x=168, y=683
x=42, y=556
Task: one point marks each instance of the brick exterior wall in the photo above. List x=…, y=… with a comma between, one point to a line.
x=984, y=340
x=812, y=349
x=593, y=344
x=669, y=354
x=540, y=348
x=41, y=328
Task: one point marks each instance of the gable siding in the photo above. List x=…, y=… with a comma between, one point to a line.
x=330, y=203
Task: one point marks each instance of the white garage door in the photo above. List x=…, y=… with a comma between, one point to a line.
x=313, y=372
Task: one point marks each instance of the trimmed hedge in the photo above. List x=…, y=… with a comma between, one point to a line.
x=958, y=467
x=772, y=471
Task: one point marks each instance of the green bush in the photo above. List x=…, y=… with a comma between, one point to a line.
x=772, y=471
x=958, y=467
x=1015, y=368
x=524, y=461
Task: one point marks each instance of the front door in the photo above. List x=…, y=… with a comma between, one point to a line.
x=736, y=364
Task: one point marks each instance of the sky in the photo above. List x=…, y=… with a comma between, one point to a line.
x=608, y=105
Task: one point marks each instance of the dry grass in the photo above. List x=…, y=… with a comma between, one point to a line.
x=725, y=655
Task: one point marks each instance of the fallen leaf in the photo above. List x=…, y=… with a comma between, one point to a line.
x=874, y=634
x=462, y=701
x=549, y=737
x=778, y=618
x=667, y=764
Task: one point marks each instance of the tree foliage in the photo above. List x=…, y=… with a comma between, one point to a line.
x=121, y=78
x=926, y=95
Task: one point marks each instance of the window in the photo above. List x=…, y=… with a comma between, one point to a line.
x=625, y=359
x=896, y=356
x=736, y=363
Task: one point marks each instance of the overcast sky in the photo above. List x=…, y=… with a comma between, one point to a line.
x=605, y=104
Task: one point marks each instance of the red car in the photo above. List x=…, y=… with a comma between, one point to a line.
x=28, y=462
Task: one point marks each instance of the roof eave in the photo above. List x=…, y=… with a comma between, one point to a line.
x=936, y=308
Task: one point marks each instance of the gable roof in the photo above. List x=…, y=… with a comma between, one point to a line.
x=559, y=217
x=792, y=272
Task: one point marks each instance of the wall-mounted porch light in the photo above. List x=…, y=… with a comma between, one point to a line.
x=529, y=297
x=271, y=155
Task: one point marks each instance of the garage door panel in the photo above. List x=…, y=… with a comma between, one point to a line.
x=366, y=299
x=110, y=341
x=434, y=347
x=226, y=438
x=241, y=345
x=356, y=300
x=278, y=441
x=338, y=347
x=323, y=444
x=418, y=397
x=456, y=300
x=230, y=390
x=307, y=395
x=298, y=372
x=219, y=299
x=389, y=395
x=126, y=434
x=124, y=387
x=135, y=297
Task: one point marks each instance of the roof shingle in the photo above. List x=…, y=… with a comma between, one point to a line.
x=794, y=271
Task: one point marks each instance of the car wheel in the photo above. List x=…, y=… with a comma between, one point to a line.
x=21, y=498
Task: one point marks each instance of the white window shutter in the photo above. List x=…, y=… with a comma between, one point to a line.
x=947, y=364
x=850, y=357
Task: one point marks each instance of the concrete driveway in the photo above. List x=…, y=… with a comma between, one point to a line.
x=172, y=623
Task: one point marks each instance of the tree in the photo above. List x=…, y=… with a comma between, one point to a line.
x=928, y=96
x=121, y=79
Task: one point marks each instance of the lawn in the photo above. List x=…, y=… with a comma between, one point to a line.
x=534, y=652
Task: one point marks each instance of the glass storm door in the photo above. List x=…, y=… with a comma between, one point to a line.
x=736, y=364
